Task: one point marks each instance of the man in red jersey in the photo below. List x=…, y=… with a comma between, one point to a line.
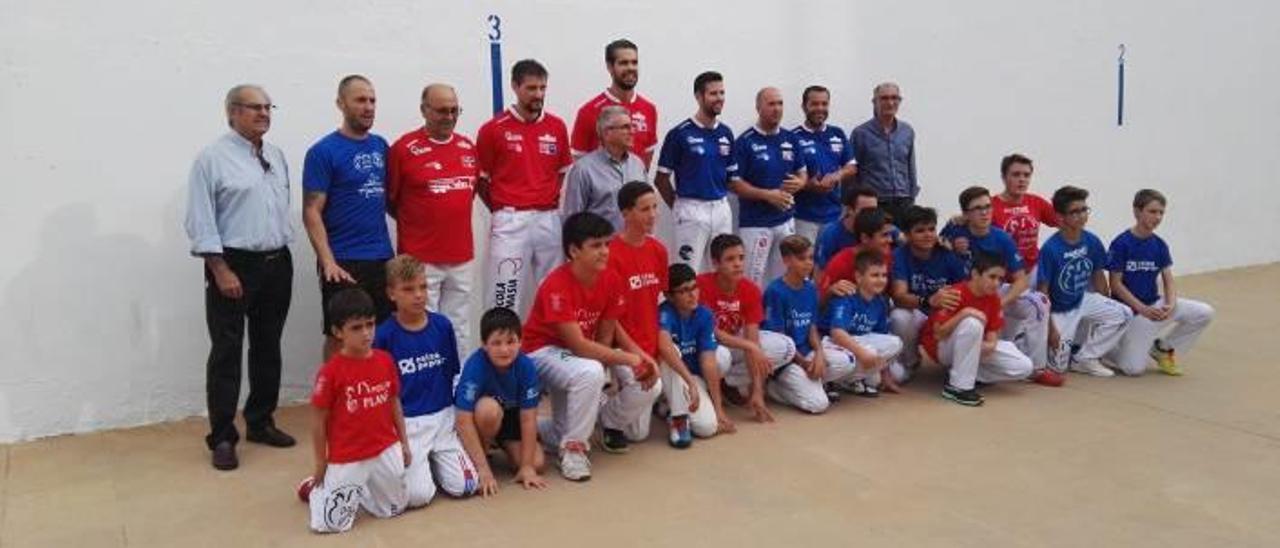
x=431, y=177
x=523, y=153
x=622, y=59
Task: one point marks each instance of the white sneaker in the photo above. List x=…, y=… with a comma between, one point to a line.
x=1092, y=367
x=574, y=465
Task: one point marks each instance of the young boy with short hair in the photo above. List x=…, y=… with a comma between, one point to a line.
x=791, y=308
x=692, y=362
x=358, y=432
x=738, y=308
x=1084, y=325
x=857, y=328
x=966, y=339
x=497, y=403
x=572, y=334
x=424, y=347
x=922, y=272
x=1135, y=258
x=875, y=232
x=1020, y=212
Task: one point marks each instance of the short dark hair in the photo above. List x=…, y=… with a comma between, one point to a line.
x=527, y=68
x=981, y=261
x=679, y=274
x=348, y=79
x=869, y=222
x=804, y=96
x=700, y=83
x=722, y=243
x=583, y=226
x=611, y=50
x=349, y=304
x=1063, y=197
x=868, y=258
x=1015, y=158
x=631, y=192
x=970, y=194
x=850, y=199
x=794, y=245
x=497, y=319
x=918, y=215
x=1146, y=196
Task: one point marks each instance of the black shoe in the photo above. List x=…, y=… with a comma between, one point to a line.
x=224, y=456
x=732, y=394
x=613, y=441
x=833, y=393
x=968, y=397
x=270, y=435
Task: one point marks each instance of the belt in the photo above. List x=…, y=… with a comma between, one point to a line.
x=251, y=254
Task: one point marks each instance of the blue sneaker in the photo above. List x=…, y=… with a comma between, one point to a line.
x=681, y=436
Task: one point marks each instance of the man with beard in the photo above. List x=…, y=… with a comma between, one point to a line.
x=523, y=153
x=622, y=59
x=831, y=161
x=344, y=203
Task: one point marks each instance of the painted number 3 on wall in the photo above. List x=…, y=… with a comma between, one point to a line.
x=495, y=28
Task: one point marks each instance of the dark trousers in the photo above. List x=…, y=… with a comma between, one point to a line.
x=895, y=208
x=267, y=280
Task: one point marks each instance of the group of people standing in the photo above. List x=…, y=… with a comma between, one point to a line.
x=831, y=281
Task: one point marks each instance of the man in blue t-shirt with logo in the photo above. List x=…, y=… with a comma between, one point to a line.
x=771, y=170
x=697, y=156
x=831, y=162
x=344, y=207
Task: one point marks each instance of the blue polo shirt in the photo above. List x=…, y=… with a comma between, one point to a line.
x=699, y=159
x=791, y=312
x=1068, y=267
x=828, y=151
x=765, y=160
x=924, y=277
x=352, y=175
x=1139, y=261
x=856, y=315
x=692, y=335
x=995, y=242
x=427, y=361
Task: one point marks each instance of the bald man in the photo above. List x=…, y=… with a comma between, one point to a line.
x=771, y=169
x=431, y=184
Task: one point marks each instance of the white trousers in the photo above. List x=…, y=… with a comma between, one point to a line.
x=702, y=422
x=376, y=484
x=449, y=292
x=808, y=229
x=438, y=457
x=574, y=385
x=524, y=246
x=778, y=348
x=906, y=324
x=1095, y=327
x=962, y=352
x=888, y=347
x=697, y=222
x=1026, y=325
x=1182, y=329
x=764, y=258
x=629, y=407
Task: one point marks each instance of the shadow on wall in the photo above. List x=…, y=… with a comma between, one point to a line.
x=107, y=330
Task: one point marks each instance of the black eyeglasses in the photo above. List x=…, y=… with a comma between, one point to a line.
x=455, y=111
x=1080, y=211
x=257, y=107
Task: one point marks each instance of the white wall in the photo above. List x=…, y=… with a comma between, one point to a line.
x=105, y=104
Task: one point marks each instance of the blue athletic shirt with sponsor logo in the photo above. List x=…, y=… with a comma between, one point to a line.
x=765, y=160
x=856, y=315
x=1139, y=261
x=791, y=311
x=693, y=335
x=517, y=387
x=352, y=174
x=1068, y=268
x=995, y=242
x=699, y=159
x=427, y=361
x=925, y=277
x=828, y=151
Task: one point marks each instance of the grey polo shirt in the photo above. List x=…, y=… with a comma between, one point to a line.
x=593, y=182
x=234, y=202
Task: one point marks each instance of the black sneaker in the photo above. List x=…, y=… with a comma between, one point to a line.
x=861, y=389
x=613, y=441
x=224, y=456
x=732, y=394
x=833, y=393
x=270, y=435
x=968, y=397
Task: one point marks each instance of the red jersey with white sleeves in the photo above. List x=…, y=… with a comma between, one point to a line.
x=360, y=394
x=643, y=271
x=733, y=310
x=524, y=160
x=989, y=305
x=1022, y=221
x=644, y=124
x=562, y=298
x=430, y=185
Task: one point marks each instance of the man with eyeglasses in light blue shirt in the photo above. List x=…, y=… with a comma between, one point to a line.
x=238, y=223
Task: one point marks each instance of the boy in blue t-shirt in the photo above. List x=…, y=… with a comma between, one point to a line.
x=1136, y=258
x=425, y=351
x=923, y=272
x=857, y=328
x=791, y=308
x=1084, y=325
x=693, y=362
x=497, y=402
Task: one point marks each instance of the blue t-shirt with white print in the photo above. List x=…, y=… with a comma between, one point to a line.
x=352, y=175
x=1139, y=261
x=692, y=335
x=516, y=388
x=427, y=361
x=857, y=315
x=791, y=311
x=1068, y=268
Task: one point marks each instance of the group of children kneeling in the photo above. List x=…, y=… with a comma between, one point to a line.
x=390, y=422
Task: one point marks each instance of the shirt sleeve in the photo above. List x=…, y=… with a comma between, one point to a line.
x=317, y=170
x=900, y=268
x=1045, y=268
x=530, y=388
x=469, y=386
x=752, y=304
x=706, y=329
x=1166, y=258
x=995, y=317
x=452, y=359
x=775, y=311
x=741, y=159
x=669, y=156
x=846, y=155
x=913, y=186
x=837, y=315
x=583, y=138
x=577, y=191
x=566, y=156
x=1116, y=255
x=202, y=218
x=616, y=306
x=558, y=303
x=1097, y=254
x=323, y=393
x=382, y=337
x=1045, y=212
x=486, y=153
x=882, y=320
x=733, y=169
x=1011, y=253
x=393, y=178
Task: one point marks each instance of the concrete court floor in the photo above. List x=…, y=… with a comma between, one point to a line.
x=1150, y=461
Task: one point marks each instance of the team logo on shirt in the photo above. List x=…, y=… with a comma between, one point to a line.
x=547, y=144
x=515, y=142
x=464, y=145
x=418, y=150
x=639, y=122
x=430, y=360
x=448, y=184
x=367, y=395
x=724, y=146
x=468, y=161
x=641, y=280
x=1141, y=266
x=469, y=391
x=1076, y=270
x=366, y=161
